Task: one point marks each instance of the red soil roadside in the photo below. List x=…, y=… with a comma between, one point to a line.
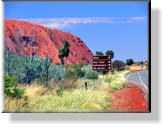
x=129, y=99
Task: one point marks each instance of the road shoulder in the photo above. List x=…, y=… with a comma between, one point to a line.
x=129, y=99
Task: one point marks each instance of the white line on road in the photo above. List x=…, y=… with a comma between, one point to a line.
x=131, y=81
x=130, y=75
x=142, y=81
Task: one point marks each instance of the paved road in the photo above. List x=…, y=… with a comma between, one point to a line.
x=140, y=78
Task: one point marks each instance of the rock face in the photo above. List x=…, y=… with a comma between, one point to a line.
x=26, y=39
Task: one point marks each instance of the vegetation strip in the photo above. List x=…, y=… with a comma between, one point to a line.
x=68, y=95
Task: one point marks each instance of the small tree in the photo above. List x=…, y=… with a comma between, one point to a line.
x=64, y=51
x=47, y=62
x=129, y=61
x=110, y=53
x=99, y=53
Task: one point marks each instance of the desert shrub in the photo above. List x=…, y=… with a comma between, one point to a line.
x=55, y=73
x=71, y=74
x=118, y=65
x=14, y=65
x=89, y=73
x=14, y=92
x=79, y=70
x=28, y=69
x=58, y=72
x=10, y=81
x=10, y=87
x=17, y=93
x=74, y=71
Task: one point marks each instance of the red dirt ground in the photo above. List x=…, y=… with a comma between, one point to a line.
x=129, y=99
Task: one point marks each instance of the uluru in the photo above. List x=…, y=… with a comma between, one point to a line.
x=25, y=39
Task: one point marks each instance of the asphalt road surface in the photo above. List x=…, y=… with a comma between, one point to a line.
x=139, y=78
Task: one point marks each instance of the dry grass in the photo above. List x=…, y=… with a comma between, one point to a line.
x=136, y=68
x=112, y=82
x=18, y=105
x=34, y=90
x=76, y=100
x=68, y=84
x=14, y=105
x=42, y=99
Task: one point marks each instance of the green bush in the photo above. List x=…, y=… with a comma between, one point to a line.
x=74, y=71
x=17, y=93
x=28, y=69
x=91, y=75
x=10, y=81
x=71, y=74
x=10, y=87
x=14, y=92
x=58, y=72
x=79, y=70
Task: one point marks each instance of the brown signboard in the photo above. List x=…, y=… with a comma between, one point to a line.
x=101, y=62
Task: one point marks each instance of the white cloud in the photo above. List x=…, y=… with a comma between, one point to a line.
x=67, y=22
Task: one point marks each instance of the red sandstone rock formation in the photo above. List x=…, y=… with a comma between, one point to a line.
x=25, y=39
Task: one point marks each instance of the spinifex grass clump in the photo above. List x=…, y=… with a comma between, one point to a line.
x=76, y=100
x=118, y=80
x=113, y=81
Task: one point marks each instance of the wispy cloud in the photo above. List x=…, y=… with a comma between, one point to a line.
x=68, y=22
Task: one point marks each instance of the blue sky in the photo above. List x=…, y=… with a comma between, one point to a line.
x=119, y=27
